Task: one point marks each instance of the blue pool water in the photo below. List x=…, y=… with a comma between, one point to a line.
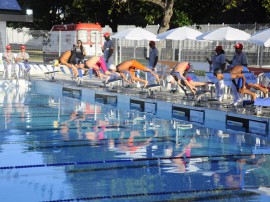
x=59, y=148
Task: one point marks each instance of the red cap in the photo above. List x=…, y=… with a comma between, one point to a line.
x=219, y=48
x=189, y=67
x=106, y=34
x=23, y=47
x=8, y=47
x=238, y=46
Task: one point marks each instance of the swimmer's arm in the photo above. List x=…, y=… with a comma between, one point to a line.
x=197, y=83
x=124, y=77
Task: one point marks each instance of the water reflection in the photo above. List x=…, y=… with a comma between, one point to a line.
x=165, y=155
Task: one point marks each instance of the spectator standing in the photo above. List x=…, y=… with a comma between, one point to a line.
x=153, y=55
x=218, y=65
x=239, y=58
x=108, y=50
x=8, y=62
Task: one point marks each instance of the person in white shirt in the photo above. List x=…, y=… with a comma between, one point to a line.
x=22, y=64
x=8, y=62
x=108, y=50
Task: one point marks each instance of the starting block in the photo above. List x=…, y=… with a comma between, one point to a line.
x=50, y=72
x=113, y=82
x=150, y=89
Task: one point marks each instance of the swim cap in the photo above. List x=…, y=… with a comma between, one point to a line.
x=56, y=63
x=112, y=66
x=189, y=68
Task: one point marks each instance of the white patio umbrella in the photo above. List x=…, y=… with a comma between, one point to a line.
x=225, y=34
x=180, y=34
x=134, y=34
x=262, y=39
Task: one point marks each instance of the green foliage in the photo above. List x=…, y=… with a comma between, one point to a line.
x=199, y=72
x=180, y=18
x=143, y=12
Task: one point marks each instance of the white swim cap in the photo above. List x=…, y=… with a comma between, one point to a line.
x=112, y=66
x=169, y=78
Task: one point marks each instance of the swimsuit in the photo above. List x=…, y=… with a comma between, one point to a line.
x=101, y=64
x=240, y=80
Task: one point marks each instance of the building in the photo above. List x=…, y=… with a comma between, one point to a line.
x=11, y=11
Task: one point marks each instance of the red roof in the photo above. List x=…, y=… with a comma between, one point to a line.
x=71, y=27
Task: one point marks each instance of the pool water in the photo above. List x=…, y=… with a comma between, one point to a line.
x=63, y=149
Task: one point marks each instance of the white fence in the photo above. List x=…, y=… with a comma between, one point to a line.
x=191, y=50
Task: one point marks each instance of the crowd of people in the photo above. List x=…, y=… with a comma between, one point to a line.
x=237, y=68
x=104, y=68
x=219, y=64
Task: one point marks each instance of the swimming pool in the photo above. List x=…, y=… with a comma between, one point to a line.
x=60, y=148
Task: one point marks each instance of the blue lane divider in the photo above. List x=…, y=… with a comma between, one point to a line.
x=151, y=194
x=121, y=161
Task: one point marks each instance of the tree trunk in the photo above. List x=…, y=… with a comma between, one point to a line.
x=168, y=12
x=167, y=6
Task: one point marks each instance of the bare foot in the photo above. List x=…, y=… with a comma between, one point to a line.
x=145, y=84
x=265, y=93
x=254, y=97
x=157, y=78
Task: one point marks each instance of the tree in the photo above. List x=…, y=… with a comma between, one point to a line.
x=167, y=13
x=167, y=7
x=247, y=11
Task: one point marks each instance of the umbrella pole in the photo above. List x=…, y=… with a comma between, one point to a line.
x=120, y=51
x=258, y=55
x=180, y=51
x=134, y=50
x=173, y=51
x=261, y=55
x=116, y=52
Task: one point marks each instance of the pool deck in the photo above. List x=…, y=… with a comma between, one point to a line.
x=205, y=112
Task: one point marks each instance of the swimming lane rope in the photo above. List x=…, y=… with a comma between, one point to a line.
x=120, y=161
x=149, y=194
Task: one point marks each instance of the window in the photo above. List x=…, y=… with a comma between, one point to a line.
x=95, y=36
x=82, y=35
